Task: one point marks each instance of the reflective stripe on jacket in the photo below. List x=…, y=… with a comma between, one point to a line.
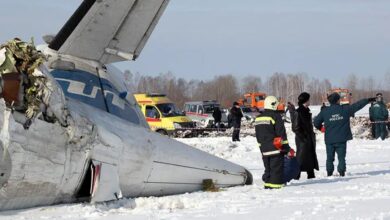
x=270, y=125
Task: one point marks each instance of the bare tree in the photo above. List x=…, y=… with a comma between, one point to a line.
x=226, y=89
x=251, y=84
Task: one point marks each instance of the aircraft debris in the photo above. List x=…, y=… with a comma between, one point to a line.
x=23, y=77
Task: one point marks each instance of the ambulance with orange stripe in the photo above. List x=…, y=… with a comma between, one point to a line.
x=162, y=114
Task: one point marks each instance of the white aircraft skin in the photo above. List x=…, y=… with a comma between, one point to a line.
x=100, y=147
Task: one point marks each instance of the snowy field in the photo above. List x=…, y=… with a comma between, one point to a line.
x=363, y=194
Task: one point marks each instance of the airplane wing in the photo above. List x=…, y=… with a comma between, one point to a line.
x=109, y=31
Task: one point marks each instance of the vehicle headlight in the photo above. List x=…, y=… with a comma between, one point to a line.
x=177, y=125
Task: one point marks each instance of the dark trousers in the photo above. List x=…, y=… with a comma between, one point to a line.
x=380, y=131
x=274, y=171
x=236, y=133
x=331, y=150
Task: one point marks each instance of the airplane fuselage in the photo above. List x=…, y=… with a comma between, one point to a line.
x=105, y=150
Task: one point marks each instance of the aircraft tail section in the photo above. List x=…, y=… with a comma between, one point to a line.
x=109, y=31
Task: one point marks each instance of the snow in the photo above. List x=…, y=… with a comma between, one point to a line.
x=363, y=194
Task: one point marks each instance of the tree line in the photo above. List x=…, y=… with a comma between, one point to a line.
x=228, y=88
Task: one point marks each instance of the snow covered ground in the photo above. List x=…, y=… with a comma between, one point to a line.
x=363, y=194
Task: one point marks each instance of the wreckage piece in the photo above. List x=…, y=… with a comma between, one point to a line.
x=97, y=145
x=21, y=77
x=99, y=157
x=108, y=31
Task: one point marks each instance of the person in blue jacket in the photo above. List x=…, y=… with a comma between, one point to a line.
x=379, y=116
x=335, y=120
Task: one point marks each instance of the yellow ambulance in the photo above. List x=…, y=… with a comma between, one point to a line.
x=162, y=115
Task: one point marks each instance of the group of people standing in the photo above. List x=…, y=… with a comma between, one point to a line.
x=234, y=120
x=271, y=135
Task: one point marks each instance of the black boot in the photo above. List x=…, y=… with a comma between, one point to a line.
x=310, y=174
x=330, y=173
x=342, y=173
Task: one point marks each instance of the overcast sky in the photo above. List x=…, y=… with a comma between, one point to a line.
x=200, y=39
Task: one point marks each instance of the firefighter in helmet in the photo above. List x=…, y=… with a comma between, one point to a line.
x=272, y=138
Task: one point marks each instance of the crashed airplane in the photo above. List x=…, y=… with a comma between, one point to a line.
x=68, y=133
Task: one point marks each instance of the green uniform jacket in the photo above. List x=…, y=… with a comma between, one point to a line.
x=336, y=121
x=379, y=112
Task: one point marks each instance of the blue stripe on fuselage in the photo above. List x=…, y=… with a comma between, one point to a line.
x=85, y=87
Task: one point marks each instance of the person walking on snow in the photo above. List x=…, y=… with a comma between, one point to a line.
x=272, y=138
x=379, y=116
x=335, y=120
x=236, y=116
x=305, y=139
x=217, y=115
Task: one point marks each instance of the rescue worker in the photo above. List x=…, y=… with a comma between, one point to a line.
x=236, y=116
x=272, y=138
x=305, y=139
x=335, y=120
x=379, y=116
x=217, y=115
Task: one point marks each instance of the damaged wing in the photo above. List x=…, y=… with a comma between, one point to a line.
x=109, y=31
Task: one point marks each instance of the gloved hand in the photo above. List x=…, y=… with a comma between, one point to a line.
x=372, y=99
x=291, y=153
x=322, y=129
x=278, y=143
x=290, y=107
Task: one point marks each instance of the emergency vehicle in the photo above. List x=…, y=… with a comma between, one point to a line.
x=256, y=100
x=202, y=112
x=162, y=114
x=345, y=96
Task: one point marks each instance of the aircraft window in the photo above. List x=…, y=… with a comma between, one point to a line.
x=152, y=112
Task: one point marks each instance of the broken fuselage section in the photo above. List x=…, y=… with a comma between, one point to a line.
x=96, y=146
x=67, y=132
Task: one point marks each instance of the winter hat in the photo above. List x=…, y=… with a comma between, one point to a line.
x=235, y=103
x=379, y=97
x=334, y=98
x=303, y=98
